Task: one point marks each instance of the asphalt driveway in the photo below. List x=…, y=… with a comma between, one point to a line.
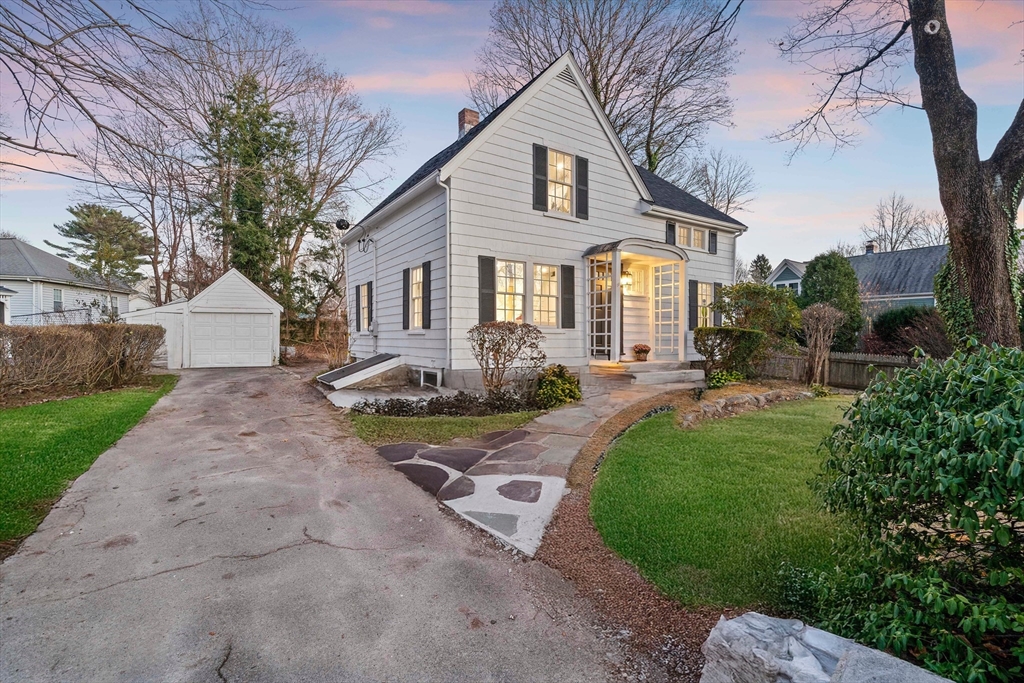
x=239, y=533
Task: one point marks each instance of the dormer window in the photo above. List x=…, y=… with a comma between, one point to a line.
x=560, y=182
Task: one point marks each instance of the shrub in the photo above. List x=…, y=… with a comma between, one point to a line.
x=728, y=348
x=928, y=333
x=820, y=390
x=928, y=467
x=556, y=387
x=719, y=378
x=460, y=404
x=761, y=307
x=75, y=357
x=506, y=352
x=829, y=278
x=820, y=324
x=889, y=324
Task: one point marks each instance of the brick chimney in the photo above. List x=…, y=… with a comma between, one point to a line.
x=467, y=119
x=870, y=247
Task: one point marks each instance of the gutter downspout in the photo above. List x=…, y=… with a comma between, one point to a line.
x=447, y=275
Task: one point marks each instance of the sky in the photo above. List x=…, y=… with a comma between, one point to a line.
x=413, y=57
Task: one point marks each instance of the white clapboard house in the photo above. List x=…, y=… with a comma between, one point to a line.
x=535, y=214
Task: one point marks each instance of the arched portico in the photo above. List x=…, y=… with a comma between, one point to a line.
x=634, y=296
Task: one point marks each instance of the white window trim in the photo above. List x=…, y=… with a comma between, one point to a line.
x=364, y=320
x=557, y=296
x=413, y=326
x=527, y=311
x=688, y=244
x=711, y=300
x=571, y=213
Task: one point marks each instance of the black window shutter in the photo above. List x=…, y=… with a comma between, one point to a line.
x=582, y=188
x=486, y=287
x=405, y=299
x=568, y=285
x=426, y=295
x=718, y=314
x=359, y=309
x=712, y=242
x=693, y=305
x=369, y=302
x=540, y=178
x=670, y=233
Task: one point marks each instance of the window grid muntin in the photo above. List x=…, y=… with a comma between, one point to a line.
x=58, y=299
x=545, y=295
x=416, y=296
x=705, y=297
x=665, y=282
x=510, y=290
x=599, y=305
x=560, y=172
x=364, y=308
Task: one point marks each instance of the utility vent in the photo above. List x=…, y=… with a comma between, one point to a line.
x=430, y=378
x=566, y=75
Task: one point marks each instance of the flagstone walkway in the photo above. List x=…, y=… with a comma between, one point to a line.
x=509, y=483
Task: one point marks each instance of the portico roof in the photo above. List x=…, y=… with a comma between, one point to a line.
x=638, y=245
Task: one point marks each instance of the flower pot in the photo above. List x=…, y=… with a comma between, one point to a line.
x=641, y=356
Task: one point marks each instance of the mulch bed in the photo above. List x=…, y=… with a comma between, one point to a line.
x=666, y=631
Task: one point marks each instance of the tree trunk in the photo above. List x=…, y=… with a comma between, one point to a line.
x=975, y=194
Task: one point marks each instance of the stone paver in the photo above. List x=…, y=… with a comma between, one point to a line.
x=509, y=482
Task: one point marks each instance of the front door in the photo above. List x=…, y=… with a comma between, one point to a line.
x=599, y=305
x=665, y=282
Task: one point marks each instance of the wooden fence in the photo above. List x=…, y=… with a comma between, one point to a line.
x=847, y=370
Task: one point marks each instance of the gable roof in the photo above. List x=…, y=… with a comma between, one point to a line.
x=669, y=196
x=798, y=268
x=21, y=260
x=4, y=291
x=451, y=156
x=889, y=273
x=232, y=274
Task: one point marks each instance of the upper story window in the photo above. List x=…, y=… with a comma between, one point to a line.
x=58, y=300
x=560, y=182
x=692, y=237
x=416, y=297
x=510, y=290
x=705, y=297
x=545, y=295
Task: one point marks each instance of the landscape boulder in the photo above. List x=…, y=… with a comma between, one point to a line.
x=754, y=648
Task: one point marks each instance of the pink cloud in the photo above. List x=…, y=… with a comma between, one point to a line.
x=437, y=83
x=416, y=8
x=383, y=23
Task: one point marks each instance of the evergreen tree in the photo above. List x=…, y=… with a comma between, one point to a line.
x=829, y=278
x=760, y=269
x=108, y=246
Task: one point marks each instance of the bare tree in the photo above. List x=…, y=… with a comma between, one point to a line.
x=857, y=48
x=79, y=62
x=659, y=68
x=934, y=230
x=896, y=225
x=742, y=271
x=846, y=249
x=724, y=181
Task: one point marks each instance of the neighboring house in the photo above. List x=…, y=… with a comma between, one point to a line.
x=788, y=275
x=536, y=214
x=5, y=305
x=47, y=289
x=888, y=279
x=143, y=295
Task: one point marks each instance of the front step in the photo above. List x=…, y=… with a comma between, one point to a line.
x=634, y=367
x=668, y=377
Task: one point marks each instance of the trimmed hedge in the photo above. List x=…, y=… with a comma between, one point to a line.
x=733, y=349
x=461, y=404
x=74, y=357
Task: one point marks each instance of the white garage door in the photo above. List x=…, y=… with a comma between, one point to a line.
x=231, y=339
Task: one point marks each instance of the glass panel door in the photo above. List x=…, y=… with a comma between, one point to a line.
x=665, y=295
x=599, y=305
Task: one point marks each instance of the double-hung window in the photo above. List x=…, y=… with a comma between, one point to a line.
x=58, y=300
x=364, y=308
x=560, y=182
x=510, y=294
x=692, y=237
x=416, y=297
x=705, y=298
x=545, y=295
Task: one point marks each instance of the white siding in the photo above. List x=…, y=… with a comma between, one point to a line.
x=492, y=214
x=24, y=302
x=37, y=297
x=416, y=234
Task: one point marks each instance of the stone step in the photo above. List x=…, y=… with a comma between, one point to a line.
x=652, y=366
x=668, y=377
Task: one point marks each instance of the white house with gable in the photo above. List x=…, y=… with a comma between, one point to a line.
x=536, y=214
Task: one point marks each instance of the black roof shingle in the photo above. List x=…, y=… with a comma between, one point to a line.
x=909, y=271
x=668, y=196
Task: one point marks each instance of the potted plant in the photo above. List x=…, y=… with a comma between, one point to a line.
x=640, y=351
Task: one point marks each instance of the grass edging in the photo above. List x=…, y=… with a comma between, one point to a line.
x=44, y=447
x=377, y=430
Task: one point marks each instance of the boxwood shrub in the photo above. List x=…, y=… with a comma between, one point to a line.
x=733, y=349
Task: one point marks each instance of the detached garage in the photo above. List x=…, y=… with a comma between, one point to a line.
x=232, y=323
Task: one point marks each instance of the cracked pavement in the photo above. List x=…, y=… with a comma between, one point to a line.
x=241, y=533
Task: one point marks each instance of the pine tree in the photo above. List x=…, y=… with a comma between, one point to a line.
x=760, y=269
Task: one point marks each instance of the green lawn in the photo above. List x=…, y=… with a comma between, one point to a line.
x=710, y=514
x=44, y=447
x=377, y=429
